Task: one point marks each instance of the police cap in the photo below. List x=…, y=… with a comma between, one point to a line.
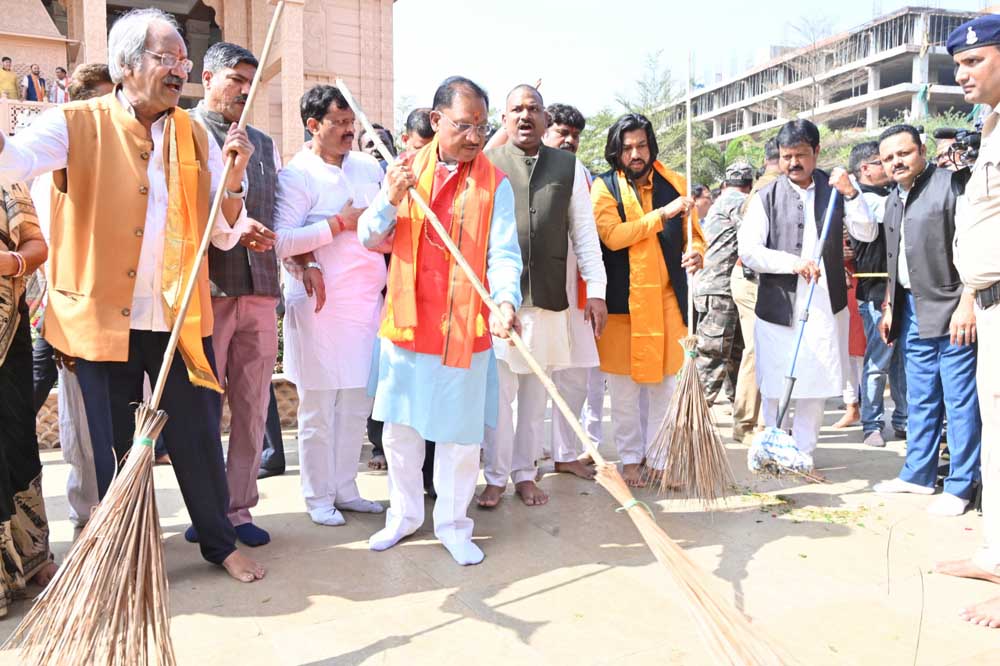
x=980, y=31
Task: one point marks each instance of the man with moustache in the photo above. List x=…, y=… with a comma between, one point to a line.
x=777, y=239
x=927, y=311
x=115, y=279
x=639, y=209
x=436, y=379
x=882, y=362
x=576, y=385
x=245, y=290
x=328, y=351
x=975, y=47
x=553, y=211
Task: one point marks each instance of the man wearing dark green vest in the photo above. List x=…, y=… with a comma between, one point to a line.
x=552, y=206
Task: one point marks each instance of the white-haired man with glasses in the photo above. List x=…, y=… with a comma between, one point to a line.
x=128, y=210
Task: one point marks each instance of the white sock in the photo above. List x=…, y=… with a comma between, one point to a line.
x=465, y=552
x=360, y=505
x=327, y=515
x=388, y=537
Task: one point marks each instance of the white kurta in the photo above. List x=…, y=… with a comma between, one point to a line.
x=331, y=349
x=822, y=358
x=563, y=339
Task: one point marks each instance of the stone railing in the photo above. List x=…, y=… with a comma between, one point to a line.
x=47, y=424
x=16, y=115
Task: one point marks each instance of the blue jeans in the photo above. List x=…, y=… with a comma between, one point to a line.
x=882, y=362
x=942, y=380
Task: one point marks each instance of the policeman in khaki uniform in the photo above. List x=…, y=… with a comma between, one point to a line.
x=975, y=46
x=720, y=341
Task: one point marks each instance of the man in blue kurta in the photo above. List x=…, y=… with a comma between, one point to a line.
x=436, y=372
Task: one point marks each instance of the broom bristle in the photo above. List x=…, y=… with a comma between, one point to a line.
x=108, y=600
x=727, y=633
x=687, y=454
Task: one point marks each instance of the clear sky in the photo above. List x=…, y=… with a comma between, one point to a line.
x=586, y=51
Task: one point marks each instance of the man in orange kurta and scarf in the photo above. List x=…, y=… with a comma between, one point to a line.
x=436, y=377
x=640, y=209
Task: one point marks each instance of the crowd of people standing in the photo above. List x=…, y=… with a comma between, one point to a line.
x=383, y=331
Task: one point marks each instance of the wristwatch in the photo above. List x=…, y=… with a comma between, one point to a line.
x=242, y=194
x=314, y=264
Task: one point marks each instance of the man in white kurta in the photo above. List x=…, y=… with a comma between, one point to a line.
x=823, y=353
x=321, y=193
x=549, y=223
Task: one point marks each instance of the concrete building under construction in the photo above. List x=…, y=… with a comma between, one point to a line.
x=894, y=66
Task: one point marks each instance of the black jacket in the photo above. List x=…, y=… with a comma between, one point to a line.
x=929, y=217
x=870, y=257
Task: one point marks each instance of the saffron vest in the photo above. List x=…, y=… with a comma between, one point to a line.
x=98, y=217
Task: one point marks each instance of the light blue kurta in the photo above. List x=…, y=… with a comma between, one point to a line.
x=448, y=405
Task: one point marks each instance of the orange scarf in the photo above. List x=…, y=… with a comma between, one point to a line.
x=645, y=296
x=180, y=245
x=39, y=89
x=472, y=212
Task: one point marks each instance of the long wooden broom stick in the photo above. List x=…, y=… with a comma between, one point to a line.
x=727, y=631
x=175, y=332
x=110, y=596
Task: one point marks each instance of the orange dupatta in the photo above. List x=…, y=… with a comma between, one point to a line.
x=180, y=246
x=645, y=297
x=472, y=212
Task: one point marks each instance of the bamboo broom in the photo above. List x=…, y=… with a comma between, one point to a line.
x=108, y=603
x=687, y=454
x=728, y=633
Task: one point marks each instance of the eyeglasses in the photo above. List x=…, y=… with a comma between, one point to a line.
x=343, y=123
x=465, y=128
x=874, y=163
x=171, y=61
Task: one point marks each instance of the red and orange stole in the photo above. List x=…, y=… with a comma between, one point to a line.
x=458, y=320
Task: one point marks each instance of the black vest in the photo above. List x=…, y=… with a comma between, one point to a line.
x=239, y=271
x=929, y=216
x=543, y=187
x=671, y=244
x=786, y=224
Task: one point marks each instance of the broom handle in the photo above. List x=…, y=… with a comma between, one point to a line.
x=690, y=216
x=175, y=331
x=557, y=399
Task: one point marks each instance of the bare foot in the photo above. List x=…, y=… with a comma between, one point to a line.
x=633, y=475
x=531, y=494
x=586, y=459
x=852, y=415
x=490, y=497
x=986, y=614
x=577, y=468
x=45, y=574
x=242, y=568
x=378, y=463
x=965, y=569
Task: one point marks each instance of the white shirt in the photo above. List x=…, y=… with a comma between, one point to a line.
x=330, y=349
x=563, y=339
x=44, y=147
x=977, y=233
x=902, y=267
x=820, y=366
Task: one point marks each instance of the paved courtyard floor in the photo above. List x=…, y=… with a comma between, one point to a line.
x=838, y=575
